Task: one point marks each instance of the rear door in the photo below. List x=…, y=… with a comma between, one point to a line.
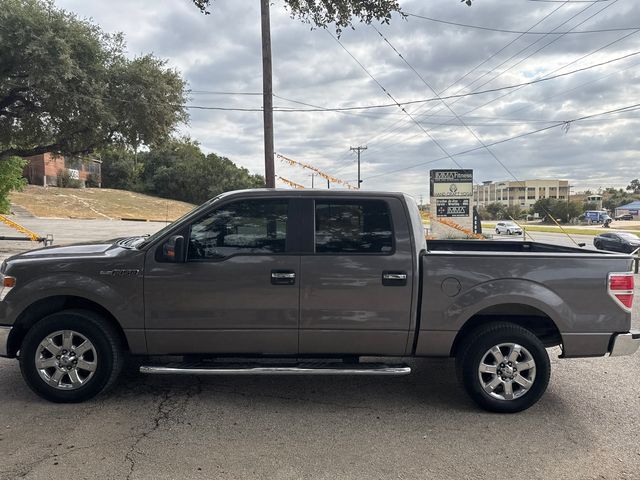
x=237, y=291
x=356, y=280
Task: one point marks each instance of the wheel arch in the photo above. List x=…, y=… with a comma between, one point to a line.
x=48, y=305
x=540, y=323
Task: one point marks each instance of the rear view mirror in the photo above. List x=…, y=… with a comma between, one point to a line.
x=173, y=249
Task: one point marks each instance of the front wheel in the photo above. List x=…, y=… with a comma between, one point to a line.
x=503, y=367
x=71, y=356
x=497, y=231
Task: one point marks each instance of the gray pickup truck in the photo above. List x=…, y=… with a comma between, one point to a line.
x=310, y=282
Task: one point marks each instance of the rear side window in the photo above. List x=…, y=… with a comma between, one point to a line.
x=243, y=227
x=362, y=226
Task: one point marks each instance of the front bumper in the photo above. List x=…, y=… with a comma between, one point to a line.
x=625, y=343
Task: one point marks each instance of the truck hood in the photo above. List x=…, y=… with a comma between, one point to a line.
x=106, y=248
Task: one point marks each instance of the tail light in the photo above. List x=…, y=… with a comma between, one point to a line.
x=620, y=288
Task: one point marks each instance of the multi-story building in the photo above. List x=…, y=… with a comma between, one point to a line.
x=522, y=194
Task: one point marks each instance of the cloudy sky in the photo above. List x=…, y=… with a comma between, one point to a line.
x=221, y=52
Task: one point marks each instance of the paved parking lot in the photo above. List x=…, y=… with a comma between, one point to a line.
x=587, y=426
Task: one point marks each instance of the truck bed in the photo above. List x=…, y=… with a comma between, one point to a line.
x=501, y=246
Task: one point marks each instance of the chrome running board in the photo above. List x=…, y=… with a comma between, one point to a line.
x=329, y=368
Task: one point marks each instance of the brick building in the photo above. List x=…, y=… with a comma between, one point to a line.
x=44, y=169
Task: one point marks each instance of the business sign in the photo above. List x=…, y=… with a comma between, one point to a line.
x=452, y=207
x=451, y=183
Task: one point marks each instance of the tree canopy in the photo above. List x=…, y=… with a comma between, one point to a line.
x=341, y=13
x=68, y=87
x=177, y=169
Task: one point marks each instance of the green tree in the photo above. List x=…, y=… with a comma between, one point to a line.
x=513, y=212
x=179, y=170
x=617, y=198
x=322, y=13
x=560, y=210
x=10, y=179
x=119, y=169
x=495, y=210
x=634, y=186
x=67, y=87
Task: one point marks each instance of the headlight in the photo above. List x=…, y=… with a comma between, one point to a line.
x=6, y=284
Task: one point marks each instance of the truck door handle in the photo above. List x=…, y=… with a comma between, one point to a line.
x=283, y=277
x=394, y=279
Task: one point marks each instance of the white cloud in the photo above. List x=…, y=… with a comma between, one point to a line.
x=221, y=52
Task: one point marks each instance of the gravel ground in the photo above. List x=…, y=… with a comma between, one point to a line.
x=422, y=426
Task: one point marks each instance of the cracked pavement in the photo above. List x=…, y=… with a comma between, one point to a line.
x=422, y=426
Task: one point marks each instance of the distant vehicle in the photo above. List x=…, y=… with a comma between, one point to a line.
x=596, y=216
x=510, y=228
x=626, y=216
x=617, y=242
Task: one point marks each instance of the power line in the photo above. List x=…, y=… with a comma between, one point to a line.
x=210, y=92
x=486, y=60
x=628, y=108
x=538, y=50
x=392, y=98
x=526, y=32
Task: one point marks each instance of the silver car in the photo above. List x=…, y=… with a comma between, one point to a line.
x=510, y=228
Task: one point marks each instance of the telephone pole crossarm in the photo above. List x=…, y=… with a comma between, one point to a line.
x=358, y=149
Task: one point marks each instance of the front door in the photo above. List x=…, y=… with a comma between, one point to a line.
x=237, y=292
x=356, y=284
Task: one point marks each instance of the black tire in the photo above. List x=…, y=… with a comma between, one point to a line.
x=103, y=337
x=597, y=245
x=497, y=231
x=474, y=347
x=508, y=232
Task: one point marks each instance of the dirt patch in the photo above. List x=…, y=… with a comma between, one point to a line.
x=102, y=203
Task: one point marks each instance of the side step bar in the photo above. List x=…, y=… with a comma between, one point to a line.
x=334, y=368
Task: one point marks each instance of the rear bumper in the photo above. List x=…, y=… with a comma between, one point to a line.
x=4, y=340
x=625, y=343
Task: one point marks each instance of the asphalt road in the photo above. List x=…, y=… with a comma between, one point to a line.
x=587, y=426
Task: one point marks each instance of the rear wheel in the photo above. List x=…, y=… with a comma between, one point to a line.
x=71, y=356
x=508, y=232
x=503, y=367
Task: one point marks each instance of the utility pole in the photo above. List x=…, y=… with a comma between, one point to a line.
x=358, y=149
x=313, y=176
x=267, y=96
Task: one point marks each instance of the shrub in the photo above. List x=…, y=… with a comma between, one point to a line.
x=64, y=180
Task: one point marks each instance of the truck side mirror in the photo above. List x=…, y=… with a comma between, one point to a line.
x=173, y=249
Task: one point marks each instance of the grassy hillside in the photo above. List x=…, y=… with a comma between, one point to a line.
x=102, y=203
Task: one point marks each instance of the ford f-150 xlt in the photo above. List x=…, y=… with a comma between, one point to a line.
x=310, y=282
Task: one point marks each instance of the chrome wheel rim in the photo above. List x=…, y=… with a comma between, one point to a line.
x=66, y=360
x=507, y=371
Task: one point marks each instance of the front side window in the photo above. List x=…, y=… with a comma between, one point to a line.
x=243, y=227
x=362, y=226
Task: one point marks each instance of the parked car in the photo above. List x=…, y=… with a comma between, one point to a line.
x=510, y=228
x=626, y=216
x=279, y=276
x=617, y=242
